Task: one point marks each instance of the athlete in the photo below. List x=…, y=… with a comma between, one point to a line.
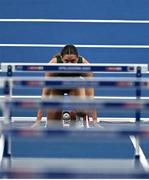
x=68, y=54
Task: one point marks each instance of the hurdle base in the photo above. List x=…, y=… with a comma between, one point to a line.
x=137, y=163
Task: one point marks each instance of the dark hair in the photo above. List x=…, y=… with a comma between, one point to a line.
x=69, y=49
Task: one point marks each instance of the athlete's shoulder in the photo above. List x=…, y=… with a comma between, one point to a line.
x=84, y=60
x=53, y=60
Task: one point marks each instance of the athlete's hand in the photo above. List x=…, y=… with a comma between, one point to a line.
x=35, y=125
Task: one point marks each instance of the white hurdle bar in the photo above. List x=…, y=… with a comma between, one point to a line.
x=70, y=172
x=61, y=82
x=73, y=68
x=32, y=119
x=78, y=134
x=100, y=119
x=75, y=103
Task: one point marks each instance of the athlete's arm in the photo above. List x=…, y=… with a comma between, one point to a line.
x=90, y=91
x=45, y=92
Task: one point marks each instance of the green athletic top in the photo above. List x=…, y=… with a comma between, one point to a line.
x=59, y=60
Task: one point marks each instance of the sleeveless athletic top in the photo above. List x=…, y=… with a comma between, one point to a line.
x=59, y=60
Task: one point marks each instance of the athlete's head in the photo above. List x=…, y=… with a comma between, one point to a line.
x=69, y=54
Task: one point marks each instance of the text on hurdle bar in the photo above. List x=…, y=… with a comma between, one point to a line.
x=75, y=68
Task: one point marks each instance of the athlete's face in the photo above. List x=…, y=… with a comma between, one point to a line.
x=70, y=58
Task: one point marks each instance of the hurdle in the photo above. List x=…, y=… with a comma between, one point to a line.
x=138, y=70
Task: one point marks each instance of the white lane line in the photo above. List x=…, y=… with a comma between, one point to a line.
x=124, y=21
x=143, y=159
x=77, y=45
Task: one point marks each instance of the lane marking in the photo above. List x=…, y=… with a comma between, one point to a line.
x=77, y=45
x=124, y=21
